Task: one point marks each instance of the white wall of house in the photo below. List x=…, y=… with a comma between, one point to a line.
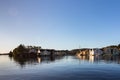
x=39, y=51
x=95, y=52
x=91, y=52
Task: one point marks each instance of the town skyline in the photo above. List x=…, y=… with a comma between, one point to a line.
x=61, y=24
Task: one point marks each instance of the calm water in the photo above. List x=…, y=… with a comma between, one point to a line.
x=60, y=68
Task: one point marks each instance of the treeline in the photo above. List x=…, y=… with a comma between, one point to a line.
x=113, y=46
x=22, y=50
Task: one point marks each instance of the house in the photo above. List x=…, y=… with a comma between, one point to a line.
x=32, y=50
x=57, y=53
x=94, y=52
x=114, y=51
x=38, y=51
x=91, y=52
x=60, y=52
x=84, y=52
x=107, y=50
x=46, y=52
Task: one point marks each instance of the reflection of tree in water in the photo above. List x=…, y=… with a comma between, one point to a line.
x=23, y=61
x=10, y=57
x=47, y=59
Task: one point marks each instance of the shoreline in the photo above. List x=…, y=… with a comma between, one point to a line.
x=4, y=54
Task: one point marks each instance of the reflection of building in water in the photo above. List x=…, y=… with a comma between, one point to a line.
x=91, y=59
x=83, y=57
x=88, y=58
x=47, y=59
x=39, y=59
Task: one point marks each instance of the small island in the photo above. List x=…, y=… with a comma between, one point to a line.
x=35, y=51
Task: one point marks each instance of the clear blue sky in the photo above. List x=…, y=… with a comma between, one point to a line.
x=59, y=24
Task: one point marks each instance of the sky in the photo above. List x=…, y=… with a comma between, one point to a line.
x=59, y=24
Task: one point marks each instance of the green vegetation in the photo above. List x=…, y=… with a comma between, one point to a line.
x=19, y=50
x=23, y=51
x=119, y=46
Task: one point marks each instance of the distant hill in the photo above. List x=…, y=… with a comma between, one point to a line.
x=4, y=53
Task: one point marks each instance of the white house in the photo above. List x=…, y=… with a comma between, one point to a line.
x=45, y=53
x=33, y=49
x=93, y=52
x=39, y=51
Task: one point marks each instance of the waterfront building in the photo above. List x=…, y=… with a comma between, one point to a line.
x=95, y=52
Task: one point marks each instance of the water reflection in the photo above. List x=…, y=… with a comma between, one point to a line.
x=91, y=59
x=97, y=59
x=60, y=68
x=34, y=60
x=22, y=62
x=39, y=60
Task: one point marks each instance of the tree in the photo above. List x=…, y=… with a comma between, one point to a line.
x=20, y=50
x=10, y=53
x=119, y=45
